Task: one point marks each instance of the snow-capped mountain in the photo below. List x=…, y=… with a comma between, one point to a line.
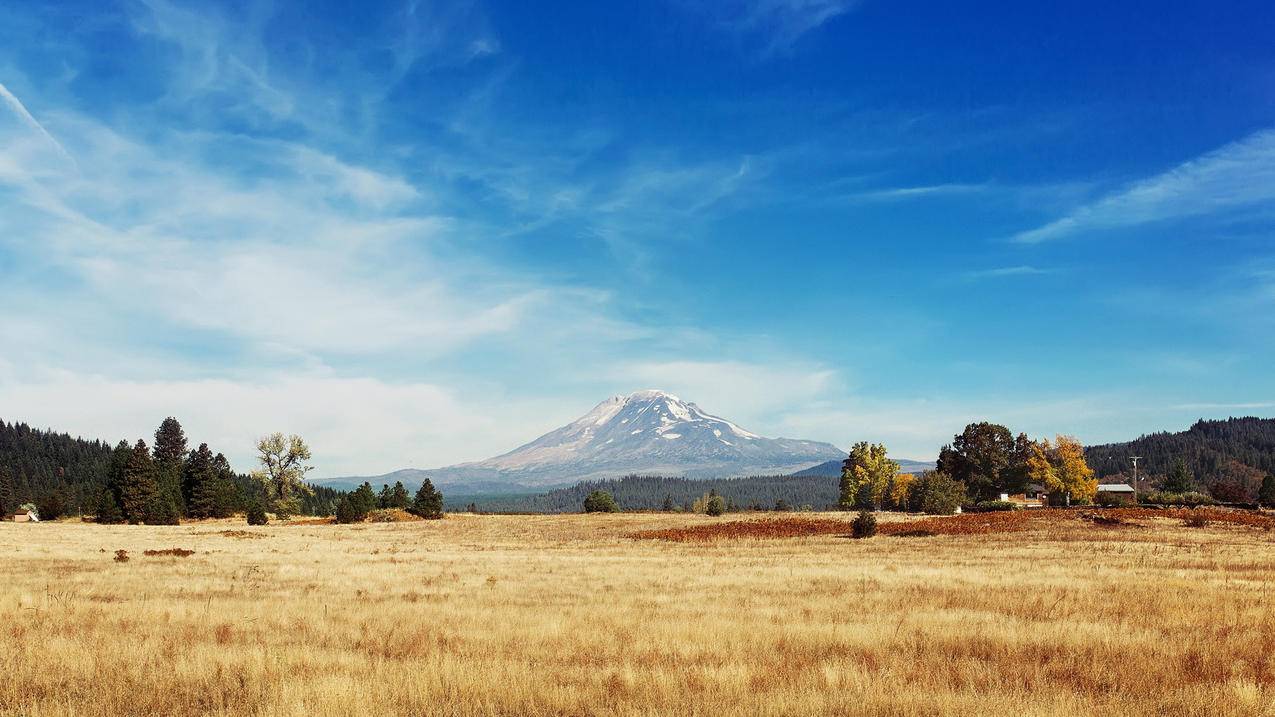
x=647, y=432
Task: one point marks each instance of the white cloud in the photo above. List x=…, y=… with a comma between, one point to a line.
x=353, y=425
x=1237, y=175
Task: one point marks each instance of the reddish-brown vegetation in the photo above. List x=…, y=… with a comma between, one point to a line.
x=173, y=552
x=745, y=529
x=965, y=524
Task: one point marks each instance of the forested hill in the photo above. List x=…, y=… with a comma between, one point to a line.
x=49, y=468
x=38, y=462
x=1207, y=447
x=661, y=493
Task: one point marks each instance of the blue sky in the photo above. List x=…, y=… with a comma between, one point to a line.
x=425, y=232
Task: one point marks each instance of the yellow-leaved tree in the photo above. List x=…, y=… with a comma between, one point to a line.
x=1061, y=469
x=865, y=476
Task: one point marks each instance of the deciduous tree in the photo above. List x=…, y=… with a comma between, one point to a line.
x=282, y=473
x=865, y=476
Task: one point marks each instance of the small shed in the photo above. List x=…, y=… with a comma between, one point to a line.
x=1115, y=488
x=25, y=516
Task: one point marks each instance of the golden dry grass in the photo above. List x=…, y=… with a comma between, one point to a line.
x=540, y=615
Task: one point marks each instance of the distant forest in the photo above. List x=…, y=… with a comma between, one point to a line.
x=65, y=475
x=661, y=493
x=1208, y=448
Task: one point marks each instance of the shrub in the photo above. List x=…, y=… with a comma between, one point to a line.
x=992, y=506
x=600, y=501
x=257, y=514
x=716, y=505
x=1195, y=519
x=1191, y=498
x=937, y=493
x=121, y=556
x=864, y=526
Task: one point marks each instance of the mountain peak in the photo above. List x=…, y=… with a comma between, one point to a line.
x=650, y=431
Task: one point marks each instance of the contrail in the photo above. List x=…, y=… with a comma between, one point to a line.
x=21, y=111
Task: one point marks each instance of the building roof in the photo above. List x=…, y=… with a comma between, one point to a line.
x=1115, y=488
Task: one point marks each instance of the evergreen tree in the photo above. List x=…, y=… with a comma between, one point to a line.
x=108, y=510
x=1266, y=495
x=162, y=511
x=169, y=456
x=256, y=514
x=8, y=492
x=1179, y=479
x=428, y=502
x=398, y=497
x=383, y=498
x=226, y=495
x=199, y=483
x=138, y=492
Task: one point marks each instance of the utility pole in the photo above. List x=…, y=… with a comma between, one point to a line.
x=1135, y=478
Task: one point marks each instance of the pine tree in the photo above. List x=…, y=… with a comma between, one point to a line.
x=162, y=511
x=108, y=510
x=428, y=502
x=138, y=491
x=8, y=492
x=170, y=455
x=226, y=495
x=398, y=497
x=383, y=498
x=1179, y=479
x=1266, y=495
x=199, y=483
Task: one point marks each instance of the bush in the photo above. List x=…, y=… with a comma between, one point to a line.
x=992, y=506
x=937, y=493
x=864, y=526
x=600, y=501
x=1192, y=498
x=716, y=505
x=257, y=514
x=1195, y=519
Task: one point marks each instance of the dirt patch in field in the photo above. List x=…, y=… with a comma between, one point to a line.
x=312, y=521
x=964, y=524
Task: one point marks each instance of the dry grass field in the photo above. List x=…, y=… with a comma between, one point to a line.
x=551, y=615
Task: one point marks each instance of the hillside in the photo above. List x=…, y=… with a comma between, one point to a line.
x=1206, y=447
x=833, y=468
x=37, y=462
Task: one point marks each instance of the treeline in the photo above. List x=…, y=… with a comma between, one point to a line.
x=636, y=493
x=1208, y=448
x=138, y=482
x=39, y=466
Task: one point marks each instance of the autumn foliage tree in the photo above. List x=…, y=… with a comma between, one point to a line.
x=1062, y=470
x=865, y=476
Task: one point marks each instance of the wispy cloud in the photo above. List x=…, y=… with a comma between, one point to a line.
x=19, y=109
x=773, y=27
x=1240, y=174
x=903, y=193
x=1006, y=271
